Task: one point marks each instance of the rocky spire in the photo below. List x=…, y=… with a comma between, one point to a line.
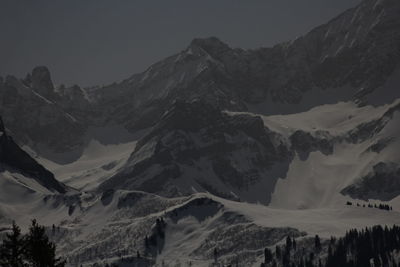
x=41, y=81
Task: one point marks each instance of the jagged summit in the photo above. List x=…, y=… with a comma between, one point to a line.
x=348, y=58
x=211, y=45
x=40, y=81
x=209, y=42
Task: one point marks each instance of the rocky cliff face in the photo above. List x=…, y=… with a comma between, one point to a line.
x=14, y=159
x=33, y=112
x=196, y=146
x=383, y=183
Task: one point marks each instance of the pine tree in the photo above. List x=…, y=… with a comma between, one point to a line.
x=278, y=252
x=12, y=249
x=215, y=255
x=288, y=243
x=286, y=259
x=267, y=255
x=317, y=244
x=40, y=252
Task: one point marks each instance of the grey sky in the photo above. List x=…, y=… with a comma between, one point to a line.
x=92, y=42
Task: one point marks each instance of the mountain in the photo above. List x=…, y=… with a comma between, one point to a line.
x=348, y=58
x=250, y=157
x=30, y=108
x=214, y=153
x=355, y=56
x=197, y=147
x=18, y=167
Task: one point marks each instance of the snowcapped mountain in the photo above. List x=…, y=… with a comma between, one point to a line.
x=236, y=155
x=355, y=56
x=345, y=59
x=234, y=149
x=196, y=147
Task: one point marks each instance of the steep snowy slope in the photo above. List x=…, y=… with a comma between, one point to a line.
x=366, y=137
x=97, y=163
x=23, y=181
x=17, y=166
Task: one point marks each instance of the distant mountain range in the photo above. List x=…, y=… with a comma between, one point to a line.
x=355, y=56
x=201, y=137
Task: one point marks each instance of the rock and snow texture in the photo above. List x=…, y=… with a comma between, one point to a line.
x=196, y=140
x=104, y=228
x=305, y=160
x=31, y=111
x=361, y=139
x=17, y=166
x=354, y=56
x=196, y=147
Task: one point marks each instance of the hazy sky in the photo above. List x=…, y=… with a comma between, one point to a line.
x=92, y=42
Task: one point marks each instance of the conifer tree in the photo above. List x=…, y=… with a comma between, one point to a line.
x=288, y=243
x=267, y=256
x=40, y=252
x=278, y=252
x=12, y=249
x=317, y=242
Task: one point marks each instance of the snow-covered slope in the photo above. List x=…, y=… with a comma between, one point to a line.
x=18, y=168
x=97, y=163
x=362, y=138
x=304, y=160
x=240, y=148
x=112, y=226
x=327, y=150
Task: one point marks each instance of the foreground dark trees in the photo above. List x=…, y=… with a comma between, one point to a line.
x=371, y=247
x=13, y=248
x=31, y=250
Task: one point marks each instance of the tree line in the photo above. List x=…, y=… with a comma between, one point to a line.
x=380, y=206
x=371, y=247
x=31, y=250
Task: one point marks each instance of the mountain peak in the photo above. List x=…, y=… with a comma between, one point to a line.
x=41, y=81
x=211, y=45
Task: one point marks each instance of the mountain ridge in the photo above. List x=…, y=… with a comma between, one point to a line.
x=348, y=58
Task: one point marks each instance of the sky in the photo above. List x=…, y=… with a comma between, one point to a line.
x=97, y=42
